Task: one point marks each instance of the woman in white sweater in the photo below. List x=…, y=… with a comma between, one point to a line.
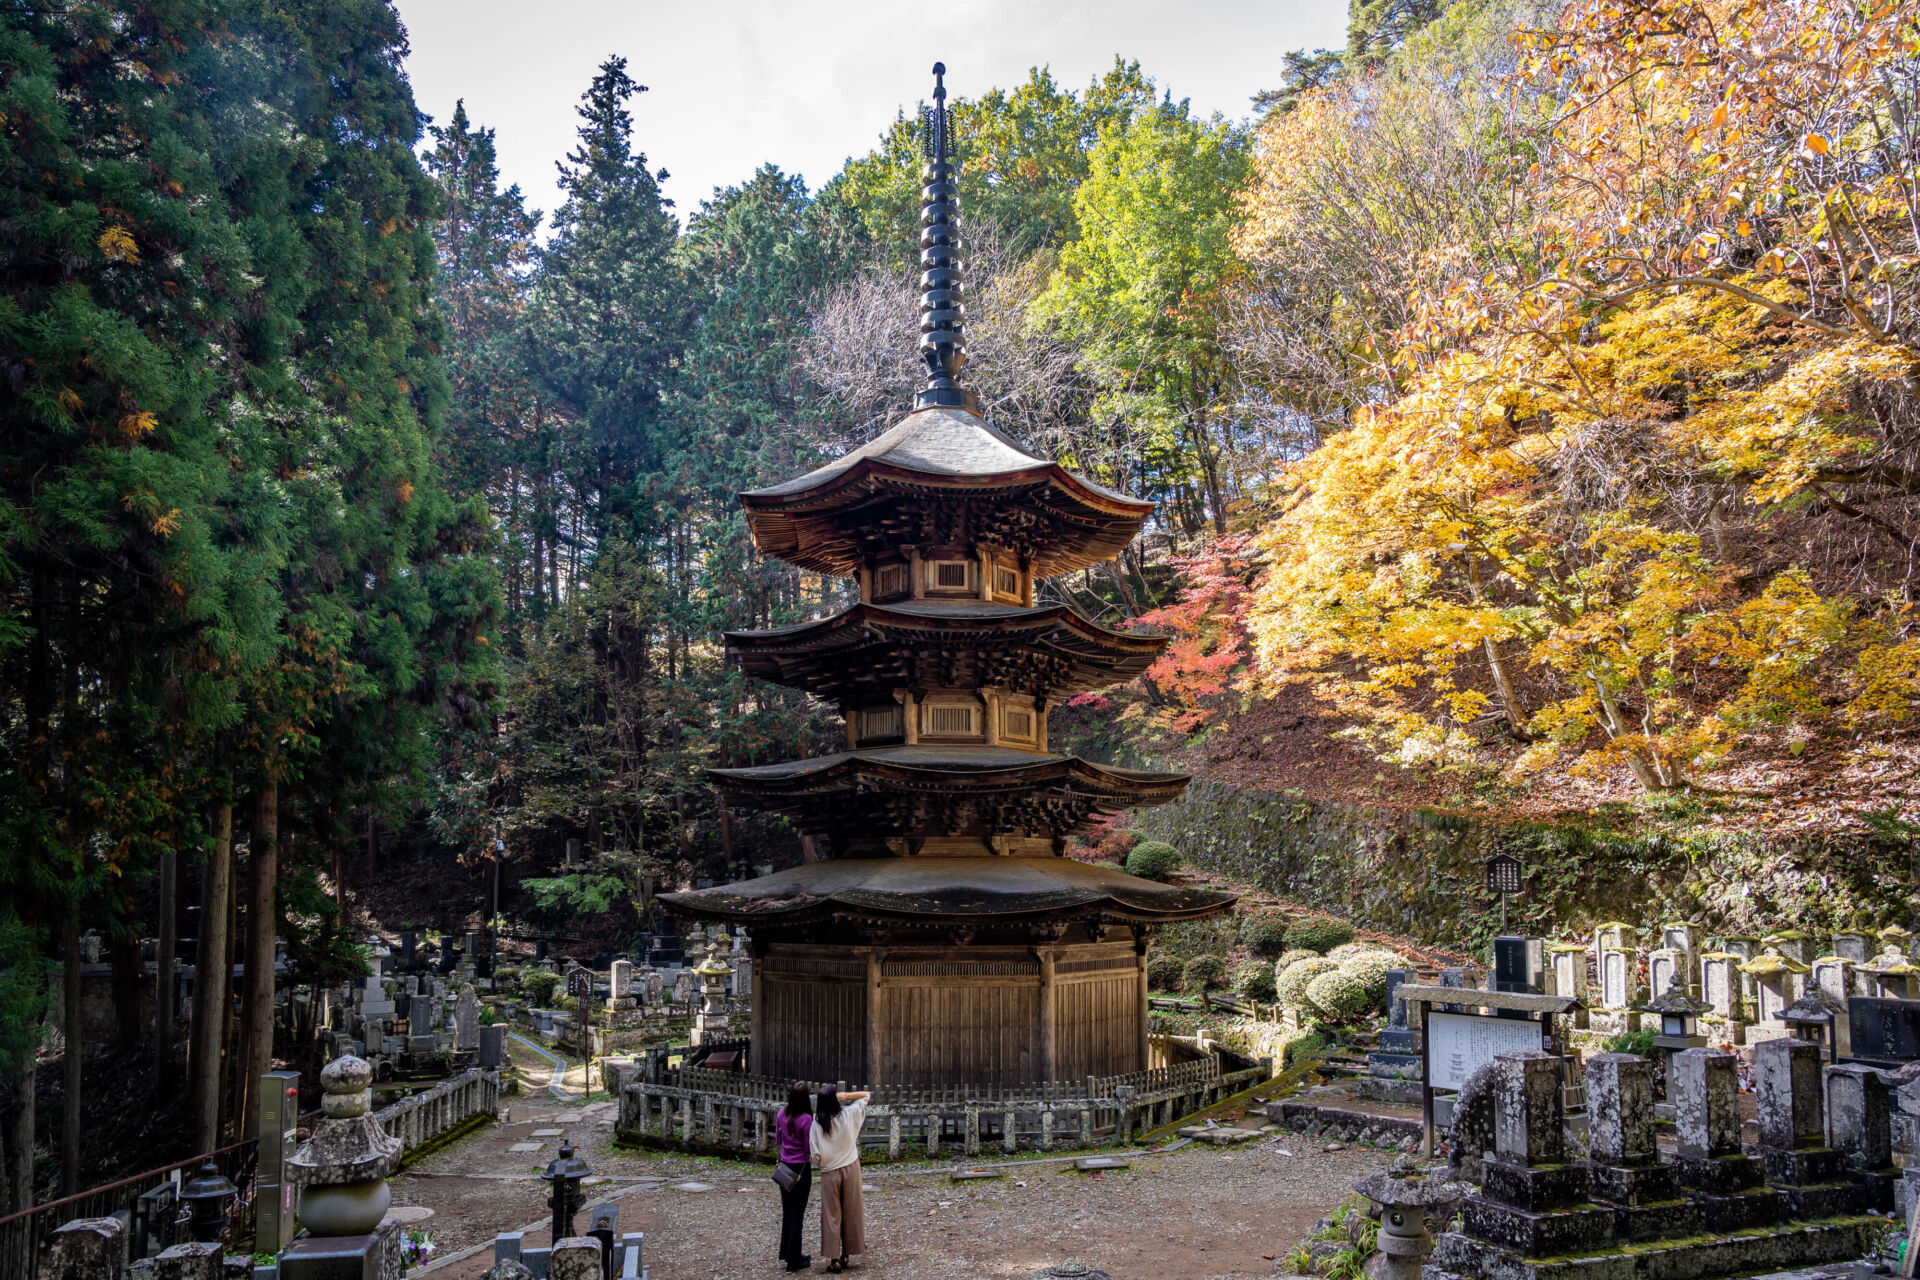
x=835, y=1143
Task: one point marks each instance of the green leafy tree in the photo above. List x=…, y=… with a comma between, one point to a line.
x=1142, y=290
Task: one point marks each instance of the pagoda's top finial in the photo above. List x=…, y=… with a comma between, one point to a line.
x=942, y=310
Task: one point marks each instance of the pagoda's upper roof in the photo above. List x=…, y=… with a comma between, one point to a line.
x=833, y=518
x=923, y=889
x=944, y=790
x=869, y=649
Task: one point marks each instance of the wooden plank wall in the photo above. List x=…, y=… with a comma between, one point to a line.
x=978, y=1033
x=947, y=1015
x=1097, y=1025
x=812, y=1024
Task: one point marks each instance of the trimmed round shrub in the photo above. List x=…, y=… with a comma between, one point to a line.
x=1348, y=950
x=539, y=985
x=1201, y=972
x=1265, y=934
x=1152, y=860
x=1370, y=969
x=1290, y=984
x=1318, y=933
x=1255, y=981
x=1338, y=997
x=1163, y=972
x=507, y=977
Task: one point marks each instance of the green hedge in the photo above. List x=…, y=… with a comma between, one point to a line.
x=1318, y=933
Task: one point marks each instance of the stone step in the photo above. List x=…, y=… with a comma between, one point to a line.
x=1699, y=1258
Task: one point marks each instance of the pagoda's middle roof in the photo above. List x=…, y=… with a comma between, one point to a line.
x=835, y=517
x=935, y=790
x=1045, y=650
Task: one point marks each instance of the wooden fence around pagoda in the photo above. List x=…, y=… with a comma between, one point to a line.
x=682, y=1107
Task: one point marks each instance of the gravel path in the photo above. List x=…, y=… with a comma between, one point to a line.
x=1199, y=1213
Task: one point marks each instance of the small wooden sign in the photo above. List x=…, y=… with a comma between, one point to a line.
x=1503, y=874
x=580, y=983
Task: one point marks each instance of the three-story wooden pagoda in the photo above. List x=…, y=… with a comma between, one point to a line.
x=944, y=939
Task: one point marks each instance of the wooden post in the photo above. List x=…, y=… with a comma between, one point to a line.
x=876, y=1012
x=1045, y=956
x=1144, y=1058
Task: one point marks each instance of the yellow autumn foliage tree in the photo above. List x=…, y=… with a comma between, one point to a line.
x=1639, y=487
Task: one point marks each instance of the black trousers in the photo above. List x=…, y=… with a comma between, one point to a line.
x=793, y=1213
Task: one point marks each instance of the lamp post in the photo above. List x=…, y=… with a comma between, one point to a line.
x=206, y=1195
x=565, y=1172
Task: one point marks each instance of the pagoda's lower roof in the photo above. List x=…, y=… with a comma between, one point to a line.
x=1045, y=650
x=941, y=790
x=929, y=889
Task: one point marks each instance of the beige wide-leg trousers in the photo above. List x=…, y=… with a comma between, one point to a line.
x=843, y=1215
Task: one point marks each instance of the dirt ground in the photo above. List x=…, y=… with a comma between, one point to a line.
x=1198, y=1213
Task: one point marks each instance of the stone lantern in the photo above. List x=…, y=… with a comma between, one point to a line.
x=1815, y=1018
x=1679, y=1013
x=1405, y=1196
x=713, y=973
x=206, y=1194
x=1778, y=982
x=565, y=1172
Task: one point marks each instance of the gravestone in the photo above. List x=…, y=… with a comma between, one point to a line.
x=1615, y=937
x=656, y=985
x=1398, y=1036
x=620, y=980
x=88, y=1249
x=685, y=987
x=574, y=1258
x=1454, y=976
x=1680, y=936
x=1624, y=1169
x=1663, y=965
x=1532, y=1199
x=1519, y=964
x=409, y=960
x=1832, y=977
x=420, y=1014
x=1860, y=1128
x=1567, y=970
x=1778, y=980
x=493, y=1045
x=1883, y=1030
x=1729, y=1185
x=1720, y=985
x=466, y=1021
x=1790, y=1110
x=190, y=1261
x=1790, y=943
x=1850, y=944
x=1618, y=985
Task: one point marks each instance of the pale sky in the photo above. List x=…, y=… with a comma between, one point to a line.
x=807, y=83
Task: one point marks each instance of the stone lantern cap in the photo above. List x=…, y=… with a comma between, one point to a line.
x=348, y=1145
x=1676, y=999
x=1785, y=935
x=1772, y=963
x=1811, y=1008
x=1408, y=1186
x=713, y=965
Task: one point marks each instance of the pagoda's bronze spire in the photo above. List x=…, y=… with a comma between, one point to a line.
x=942, y=295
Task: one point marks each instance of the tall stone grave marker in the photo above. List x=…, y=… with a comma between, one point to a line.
x=1790, y=1108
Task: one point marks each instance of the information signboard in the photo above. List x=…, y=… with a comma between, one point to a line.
x=1458, y=1044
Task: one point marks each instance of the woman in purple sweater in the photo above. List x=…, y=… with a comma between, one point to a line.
x=791, y=1127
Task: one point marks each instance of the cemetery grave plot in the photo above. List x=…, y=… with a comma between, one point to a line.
x=1197, y=1213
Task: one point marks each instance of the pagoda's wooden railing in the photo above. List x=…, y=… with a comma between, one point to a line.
x=689, y=1107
